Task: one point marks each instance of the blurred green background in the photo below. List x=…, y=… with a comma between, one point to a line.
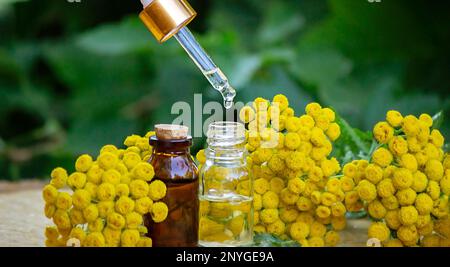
x=75, y=76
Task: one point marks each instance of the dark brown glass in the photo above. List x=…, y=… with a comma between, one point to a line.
x=174, y=166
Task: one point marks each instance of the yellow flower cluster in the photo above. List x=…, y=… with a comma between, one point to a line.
x=103, y=202
x=294, y=196
x=406, y=184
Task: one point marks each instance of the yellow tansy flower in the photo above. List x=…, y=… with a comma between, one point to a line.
x=124, y=205
x=81, y=198
x=159, y=212
x=408, y=215
x=107, y=160
x=379, y=231
x=394, y=118
x=382, y=157
x=157, y=190
x=143, y=171
x=83, y=163
x=383, y=132
x=139, y=188
x=63, y=201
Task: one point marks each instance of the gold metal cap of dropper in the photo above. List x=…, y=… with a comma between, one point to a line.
x=164, y=18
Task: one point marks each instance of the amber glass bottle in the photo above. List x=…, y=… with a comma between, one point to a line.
x=174, y=166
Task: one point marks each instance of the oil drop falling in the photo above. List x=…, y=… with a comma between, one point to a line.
x=228, y=104
x=228, y=95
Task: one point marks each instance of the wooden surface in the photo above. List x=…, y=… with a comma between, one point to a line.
x=22, y=221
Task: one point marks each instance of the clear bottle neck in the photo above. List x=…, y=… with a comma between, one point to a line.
x=226, y=144
x=225, y=156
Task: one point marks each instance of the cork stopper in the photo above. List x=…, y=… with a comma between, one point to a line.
x=171, y=131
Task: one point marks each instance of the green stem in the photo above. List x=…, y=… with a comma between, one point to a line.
x=361, y=146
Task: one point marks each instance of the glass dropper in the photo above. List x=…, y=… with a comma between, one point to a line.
x=167, y=18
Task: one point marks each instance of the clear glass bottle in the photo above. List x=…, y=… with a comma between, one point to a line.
x=174, y=166
x=226, y=189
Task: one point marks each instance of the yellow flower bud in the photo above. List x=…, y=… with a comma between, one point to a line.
x=50, y=194
x=115, y=221
x=63, y=201
x=434, y=170
x=270, y=200
x=379, y=231
x=124, y=205
x=111, y=176
x=376, y=209
x=201, y=156
x=424, y=204
x=269, y=216
x=107, y=160
x=78, y=233
x=83, y=163
x=394, y=118
x=105, y=208
x=61, y=219
x=139, y=188
x=81, y=198
x=59, y=177
x=51, y=233
x=112, y=237
x=90, y=213
x=133, y=220
x=157, y=190
x=76, y=216
x=95, y=173
x=144, y=242
x=143, y=205
x=402, y=178
x=392, y=219
x=131, y=159
x=143, y=171
x=159, y=212
x=122, y=190
x=106, y=191
x=77, y=180
x=383, y=132
x=130, y=238
x=332, y=238
x=382, y=157
x=131, y=140
x=95, y=239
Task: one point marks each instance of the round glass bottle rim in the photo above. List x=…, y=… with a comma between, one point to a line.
x=226, y=133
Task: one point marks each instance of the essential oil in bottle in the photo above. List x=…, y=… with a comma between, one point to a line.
x=226, y=189
x=175, y=167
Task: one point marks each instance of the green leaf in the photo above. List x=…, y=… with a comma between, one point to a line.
x=358, y=137
x=277, y=55
x=319, y=66
x=438, y=119
x=380, y=30
x=113, y=39
x=89, y=136
x=244, y=69
x=446, y=148
x=281, y=21
x=275, y=81
x=352, y=144
x=268, y=240
x=10, y=70
x=6, y=3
